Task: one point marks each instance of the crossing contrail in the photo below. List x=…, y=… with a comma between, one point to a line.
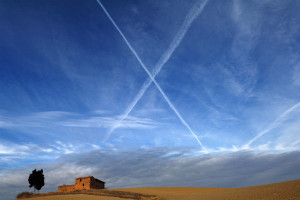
x=151, y=77
x=194, y=12
x=274, y=124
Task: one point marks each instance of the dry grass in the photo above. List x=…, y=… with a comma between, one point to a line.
x=89, y=194
x=279, y=191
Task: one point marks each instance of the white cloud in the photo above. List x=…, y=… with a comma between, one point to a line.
x=107, y=122
x=68, y=119
x=48, y=150
x=36, y=119
x=11, y=149
x=64, y=148
x=13, y=153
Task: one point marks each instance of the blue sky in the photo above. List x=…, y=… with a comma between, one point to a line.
x=228, y=73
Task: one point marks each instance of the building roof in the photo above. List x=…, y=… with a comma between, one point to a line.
x=89, y=177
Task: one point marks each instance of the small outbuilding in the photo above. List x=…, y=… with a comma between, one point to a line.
x=83, y=183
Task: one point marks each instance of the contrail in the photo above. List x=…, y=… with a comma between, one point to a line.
x=274, y=124
x=194, y=12
x=151, y=77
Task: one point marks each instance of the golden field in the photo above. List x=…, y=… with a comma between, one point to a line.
x=75, y=197
x=278, y=191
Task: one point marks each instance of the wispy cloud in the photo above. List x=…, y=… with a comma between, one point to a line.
x=233, y=85
x=296, y=74
x=191, y=16
x=68, y=119
x=274, y=124
x=5, y=124
x=12, y=154
x=148, y=111
x=107, y=122
x=64, y=148
x=13, y=149
x=36, y=119
x=241, y=70
x=26, y=149
x=200, y=6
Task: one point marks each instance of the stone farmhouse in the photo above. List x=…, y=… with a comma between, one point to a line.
x=83, y=183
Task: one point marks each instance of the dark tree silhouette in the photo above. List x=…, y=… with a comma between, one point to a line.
x=36, y=179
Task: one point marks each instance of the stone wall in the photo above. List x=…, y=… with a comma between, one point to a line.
x=66, y=188
x=82, y=183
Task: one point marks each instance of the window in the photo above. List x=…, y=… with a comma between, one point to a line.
x=80, y=180
x=82, y=184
